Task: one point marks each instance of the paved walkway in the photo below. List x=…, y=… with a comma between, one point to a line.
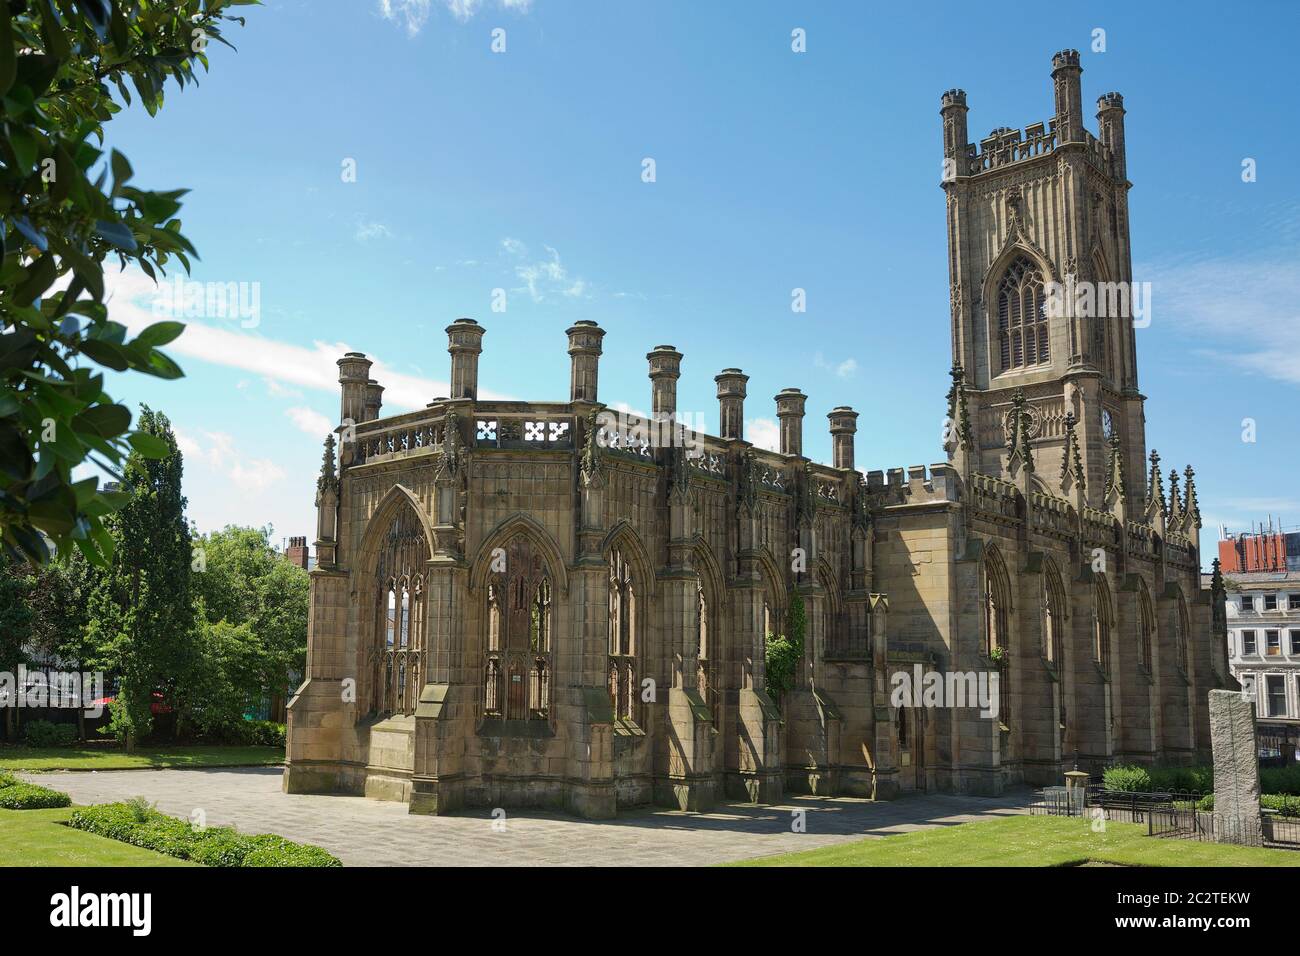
x=363, y=832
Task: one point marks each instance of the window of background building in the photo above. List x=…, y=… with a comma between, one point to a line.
x=1247, y=603
x=1248, y=643
x=1270, y=602
x=1295, y=642
x=1293, y=602
x=1272, y=643
x=1276, y=684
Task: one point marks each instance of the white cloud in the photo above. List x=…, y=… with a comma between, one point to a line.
x=310, y=421
x=368, y=230
x=415, y=13
x=130, y=294
x=216, y=452
x=843, y=369
x=546, y=276
x=277, y=389
x=1248, y=305
x=763, y=433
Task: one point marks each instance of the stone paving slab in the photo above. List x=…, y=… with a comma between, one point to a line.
x=363, y=832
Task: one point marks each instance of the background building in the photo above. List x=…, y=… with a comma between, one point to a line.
x=1263, y=612
x=1261, y=549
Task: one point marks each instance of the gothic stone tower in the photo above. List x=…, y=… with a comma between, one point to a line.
x=1026, y=209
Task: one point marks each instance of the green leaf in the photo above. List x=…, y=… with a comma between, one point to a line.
x=121, y=171
x=40, y=276
x=106, y=354
x=105, y=421
x=56, y=43
x=149, y=446
x=117, y=234
x=160, y=333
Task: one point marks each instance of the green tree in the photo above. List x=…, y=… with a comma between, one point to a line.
x=227, y=669
x=141, y=611
x=64, y=209
x=243, y=580
x=57, y=595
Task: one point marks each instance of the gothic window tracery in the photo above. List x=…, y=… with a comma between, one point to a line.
x=520, y=620
x=706, y=678
x=622, y=637
x=1053, y=615
x=1147, y=622
x=1023, y=333
x=1102, y=621
x=997, y=630
x=397, y=657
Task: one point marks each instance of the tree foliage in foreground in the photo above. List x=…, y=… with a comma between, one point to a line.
x=66, y=209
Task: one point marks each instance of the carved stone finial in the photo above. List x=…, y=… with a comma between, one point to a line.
x=1156, y=490
x=958, y=413
x=592, y=454
x=328, y=477
x=1115, y=471
x=1018, y=439
x=747, y=479
x=1193, y=507
x=1071, y=460
x=861, y=504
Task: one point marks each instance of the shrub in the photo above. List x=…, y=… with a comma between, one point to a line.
x=262, y=733
x=141, y=825
x=1283, y=803
x=7, y=779
x=140, y=809
x=1127, y=779
x=28, y=796
x=43, y=733
x=1280, y=780
x=1195, y=779
x=267, y=849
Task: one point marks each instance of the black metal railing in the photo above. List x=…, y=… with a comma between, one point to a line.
x=1209, y=826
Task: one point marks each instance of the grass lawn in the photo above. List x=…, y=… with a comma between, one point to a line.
x=1030, y=841
x=110, y=756
x=39, y=838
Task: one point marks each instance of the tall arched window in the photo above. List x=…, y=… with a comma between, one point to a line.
x=1181, y=627
x=1023, y=334
x=396, y=660
x=517, y=668
x=706, y=676
x=1147, y=622
x=1102, y=621
x=1053, y=615
x=997, y=628
x=997, y=606
x=622, y=637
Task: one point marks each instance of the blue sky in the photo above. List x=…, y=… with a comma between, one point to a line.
x=522, y=170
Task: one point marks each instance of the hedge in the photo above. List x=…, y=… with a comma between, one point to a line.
x=1284, y=803
x=28, y=796
x=1129, y=778
x=7, y=779
x=43, y=733
x=1280, y=780
x=141, y=825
